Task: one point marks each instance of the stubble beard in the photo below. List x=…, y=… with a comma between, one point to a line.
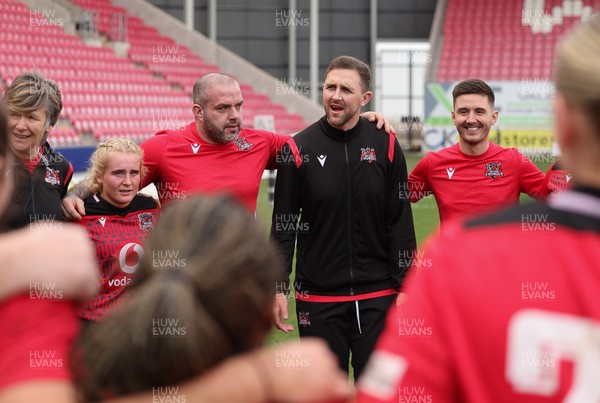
x=341, y=120
x=217, y=135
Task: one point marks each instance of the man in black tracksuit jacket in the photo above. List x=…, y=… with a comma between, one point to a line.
x=339, y=195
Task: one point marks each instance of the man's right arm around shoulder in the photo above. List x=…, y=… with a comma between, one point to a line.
x=72, y=203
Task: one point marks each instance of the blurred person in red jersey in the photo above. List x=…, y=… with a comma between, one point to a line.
x=515, y=319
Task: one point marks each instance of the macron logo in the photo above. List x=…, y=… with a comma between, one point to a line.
x=569, y=178
x=322, y=159
x=450, y=172
x=102, y=220
x=195, y=147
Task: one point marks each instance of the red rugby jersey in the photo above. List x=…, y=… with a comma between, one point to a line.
x=36, y=332
x=180, y=163
x=506, y=311
x=118, y=235
x=466, y=185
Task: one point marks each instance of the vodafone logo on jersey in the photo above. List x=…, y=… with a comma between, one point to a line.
x=129, y=257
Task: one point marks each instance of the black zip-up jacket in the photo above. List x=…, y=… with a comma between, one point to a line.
x=339, y=194
x=37, y=194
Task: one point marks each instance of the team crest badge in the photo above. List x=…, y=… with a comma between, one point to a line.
x=368, y=154
x=304, y=319
x=559, y=181
x=242, y=144
x=52, y=176
x=494, y=170
x=145, y=221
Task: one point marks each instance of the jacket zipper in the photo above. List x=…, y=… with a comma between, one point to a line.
x=349, y=200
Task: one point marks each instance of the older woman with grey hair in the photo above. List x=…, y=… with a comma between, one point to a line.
x=33, y=103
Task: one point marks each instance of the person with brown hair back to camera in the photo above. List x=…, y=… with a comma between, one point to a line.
x=203, y=293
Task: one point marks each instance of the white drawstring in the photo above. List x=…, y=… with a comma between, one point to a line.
x=358, y=317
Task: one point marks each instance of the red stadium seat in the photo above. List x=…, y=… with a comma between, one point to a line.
x=495, y=34
x=106, y=95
